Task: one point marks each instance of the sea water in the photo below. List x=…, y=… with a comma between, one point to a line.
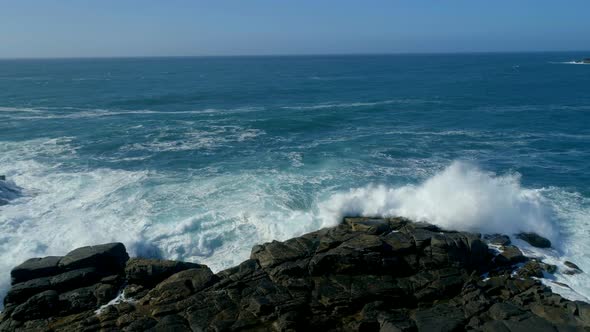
x=199, y=159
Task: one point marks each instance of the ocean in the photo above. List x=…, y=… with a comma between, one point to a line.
x=200, y=158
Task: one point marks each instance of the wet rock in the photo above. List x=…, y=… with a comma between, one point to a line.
x=573, y=268
x=2, y=177
x=498, y=239
x=535, y=240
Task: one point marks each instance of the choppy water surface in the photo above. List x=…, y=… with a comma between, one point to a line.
x=201, y=158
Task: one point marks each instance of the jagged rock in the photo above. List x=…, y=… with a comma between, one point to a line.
x=366, y=274
x=107, y=257
x=535, y=240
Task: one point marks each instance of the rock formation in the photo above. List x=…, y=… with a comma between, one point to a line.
x=363, y=275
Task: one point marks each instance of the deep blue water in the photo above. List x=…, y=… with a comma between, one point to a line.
x=200, y=158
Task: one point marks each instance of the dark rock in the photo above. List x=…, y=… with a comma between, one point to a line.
x=75, y=279
x=439, y=318
x=39, y=305
x=171, y=323
x=149, y=272
x=368, y=225
x=505, y=310
x=399, y=242
x=104, y=293
x=35, y=268
x=530, y=323
x=141, y=324
x=574, y=269
x=181, y=285
x=535, y=268
x=535, y=240
x=498, y=239
x=107, y=257
x=79, y=300
x=509, y=256
x=2, y=177
x=20, y=292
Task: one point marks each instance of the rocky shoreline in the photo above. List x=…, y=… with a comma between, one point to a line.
x=366, y=274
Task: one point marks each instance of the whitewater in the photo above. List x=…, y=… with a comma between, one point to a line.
x=199, y=159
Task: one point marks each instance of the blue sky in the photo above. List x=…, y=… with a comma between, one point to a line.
x=72, y=28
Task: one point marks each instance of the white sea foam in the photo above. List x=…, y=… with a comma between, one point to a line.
x=359, y=104
x=461, y=197
x=49, y=113
x=573, y=63
x=213, y=137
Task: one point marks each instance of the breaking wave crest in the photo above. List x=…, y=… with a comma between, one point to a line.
x=461, y=197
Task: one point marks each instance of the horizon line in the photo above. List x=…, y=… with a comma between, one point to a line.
x=90, y=57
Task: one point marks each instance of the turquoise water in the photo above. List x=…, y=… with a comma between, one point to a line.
x=200, y=158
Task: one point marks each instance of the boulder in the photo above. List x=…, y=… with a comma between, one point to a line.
x=535, y=240
x=35, y=268
x=106, y=257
